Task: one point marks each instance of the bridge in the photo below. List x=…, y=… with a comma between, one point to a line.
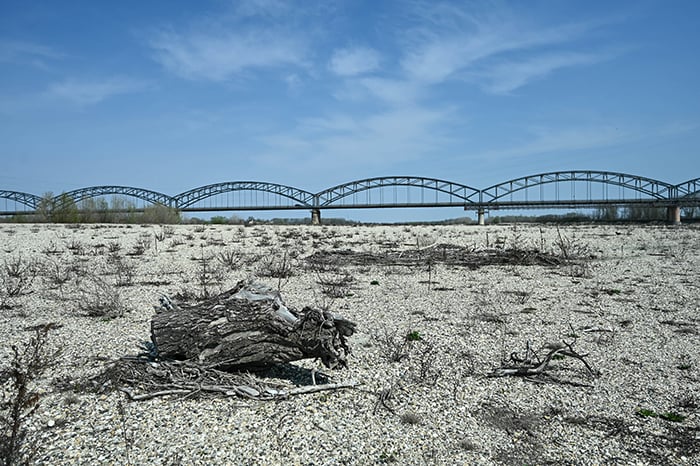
x=553, y=190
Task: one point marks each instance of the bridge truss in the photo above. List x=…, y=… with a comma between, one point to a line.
x=562, y=189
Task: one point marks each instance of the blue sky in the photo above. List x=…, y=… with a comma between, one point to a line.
x=171, y=95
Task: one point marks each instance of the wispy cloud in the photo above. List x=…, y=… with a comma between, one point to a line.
x=354, y=61
x=27, y=52
x=218, y=57
x=352, y=145
x=564, y=141
x=90, y=92
x=505, y=77
x=263, y=8
x=450, y=42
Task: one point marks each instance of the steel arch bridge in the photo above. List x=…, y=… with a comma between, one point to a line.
x=561, y=189
x=688, y=189
x=456, y=194
x=299, y=197
x=79, y=195
x=644, y=189
x=26, y=199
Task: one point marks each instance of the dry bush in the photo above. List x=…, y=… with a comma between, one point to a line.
x=396, y=345
x=57, y=274
x=335, y=285
x=99, y=298
x=19, y=397
x=16, y=279
x=123, y=270
x=571, y=248
x=230, y=258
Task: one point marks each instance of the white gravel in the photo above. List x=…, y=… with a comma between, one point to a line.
x=642, y=284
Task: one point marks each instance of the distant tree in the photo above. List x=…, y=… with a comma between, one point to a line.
x=65, y=210
x=608, y=213
x=691, y=213
x=644, y=213
x=160, y=214
x=45, y=207
x=95, y=211
x=218, y=220
x=123, y=210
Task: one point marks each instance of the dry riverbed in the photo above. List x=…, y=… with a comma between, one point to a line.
x=437, y=310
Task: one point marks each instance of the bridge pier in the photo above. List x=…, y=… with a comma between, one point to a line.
x=315, y=216
x=482, y=219
x=673, y=214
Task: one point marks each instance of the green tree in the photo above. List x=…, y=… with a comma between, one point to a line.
x=65, y=210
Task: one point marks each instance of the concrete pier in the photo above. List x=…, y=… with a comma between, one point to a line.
x=482, y=219
x=673, y=214
x=315, y=216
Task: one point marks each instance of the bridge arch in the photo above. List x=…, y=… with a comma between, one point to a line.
x=30, y=200
x=189, y=198
x=457, y=194
x=690, y=188
x=78, y=195
x=648, y=186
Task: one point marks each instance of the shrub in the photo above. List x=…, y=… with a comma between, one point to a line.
x=99, y=298
x=20, y=400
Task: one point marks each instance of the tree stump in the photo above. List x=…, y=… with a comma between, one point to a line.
x=248, y=326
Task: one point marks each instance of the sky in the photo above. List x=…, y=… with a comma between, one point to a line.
x=172, y=95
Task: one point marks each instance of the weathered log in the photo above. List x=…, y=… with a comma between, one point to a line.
x=249, y=326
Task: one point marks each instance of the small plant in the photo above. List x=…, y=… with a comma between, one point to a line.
x=673, y=417
x=230, y=259
x=279, y=265
x=113, y=247
x=16, y=279
x=20, y=400
x=669, y=416
x=374, y=283
x=569, y=248
x=396, y=347
x=413, y=336
x=160, y=236
x=57, y=274
x=208, y=274
x=99, y=298
x=411, y=418
x=142, y=244
x=393, y=346
x=685, y=363
x=424, y=363
x=52, y=248
x=124, y=271
x=127, y=435
x=467, y=445
x=75, y=246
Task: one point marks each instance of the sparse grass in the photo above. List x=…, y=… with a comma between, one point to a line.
x=230, y=258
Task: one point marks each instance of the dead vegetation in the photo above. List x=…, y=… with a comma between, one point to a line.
x=20, y=396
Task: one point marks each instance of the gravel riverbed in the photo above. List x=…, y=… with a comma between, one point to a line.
x=629, y=300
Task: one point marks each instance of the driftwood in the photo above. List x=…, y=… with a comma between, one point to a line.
x=143, y=379
x=246, y=327
x=530, y=363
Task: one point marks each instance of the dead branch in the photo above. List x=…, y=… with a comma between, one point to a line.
x=531, y=365
x=145, y=380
